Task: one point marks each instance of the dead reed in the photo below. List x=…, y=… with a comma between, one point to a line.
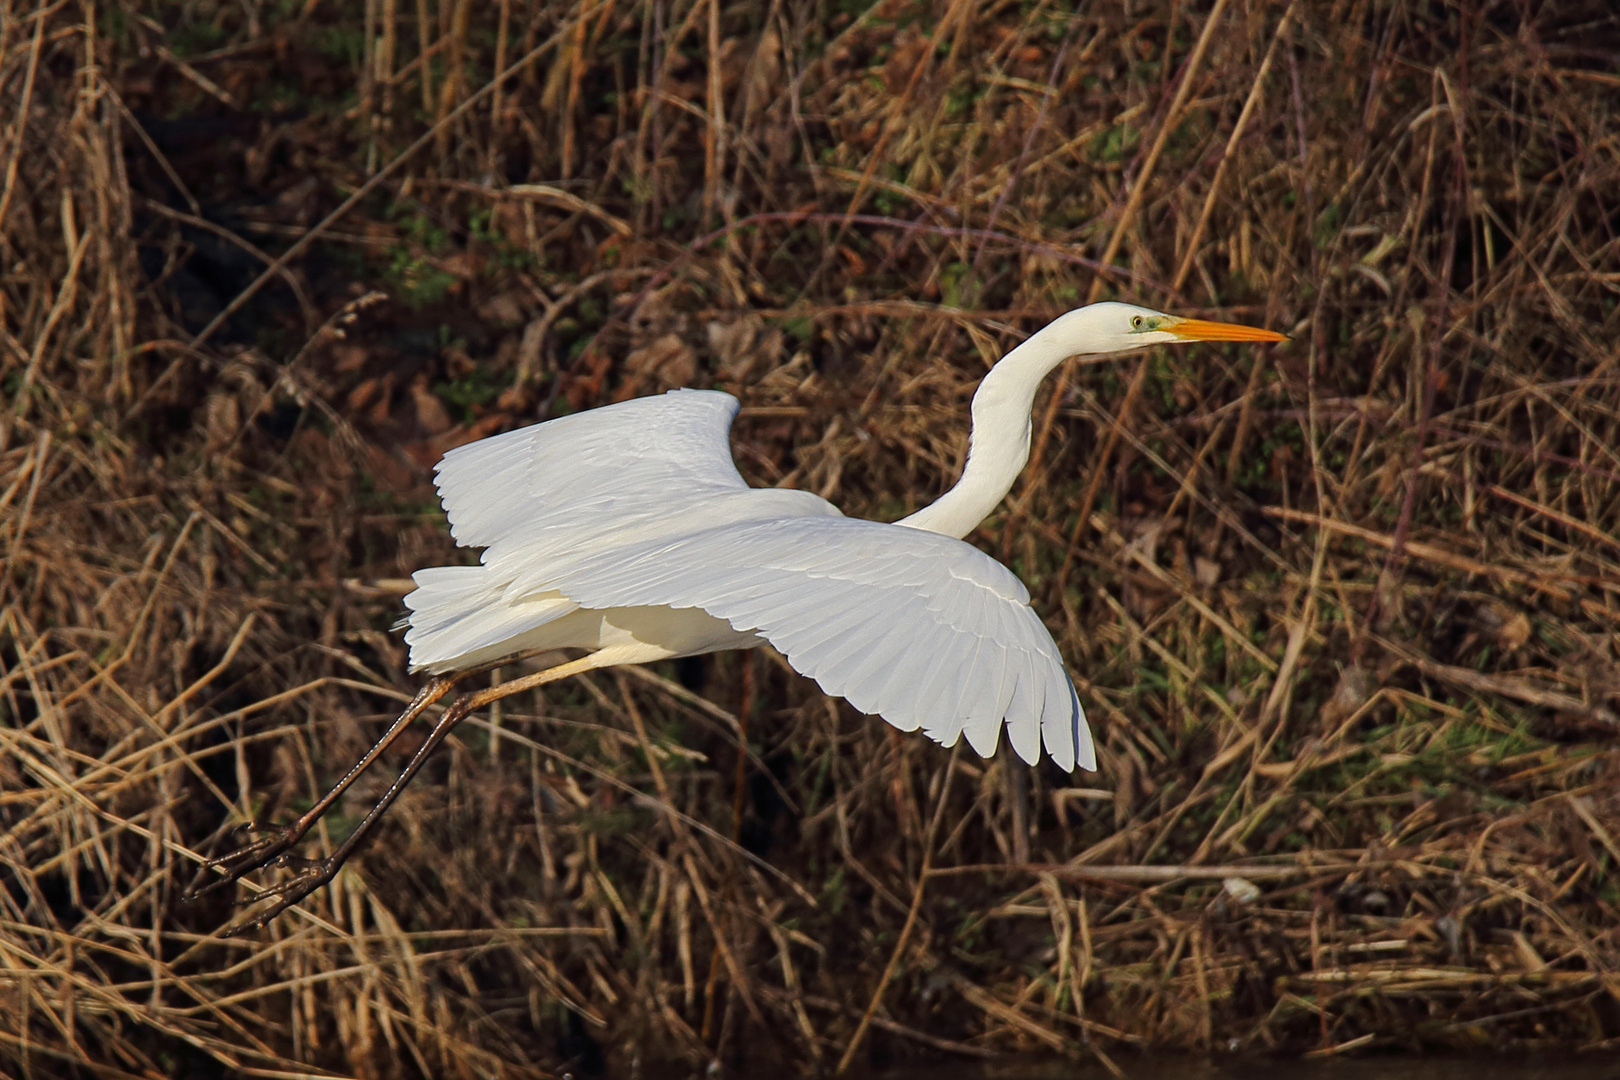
x=1346, y=615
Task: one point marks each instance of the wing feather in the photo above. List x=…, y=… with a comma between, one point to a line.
x=636, y=453
x=983, y=726
x=922, y=629
x=872, y=673
x=1029, y=699
x=819, y=625
x=943, y=695
x=921, y=685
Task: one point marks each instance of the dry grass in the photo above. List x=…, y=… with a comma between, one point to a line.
x=1346, y=614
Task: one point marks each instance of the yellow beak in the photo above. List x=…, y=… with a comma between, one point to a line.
x=1203, y=330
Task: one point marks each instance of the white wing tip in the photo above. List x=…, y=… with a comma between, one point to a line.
x=1085, y=751
x=1069, y=747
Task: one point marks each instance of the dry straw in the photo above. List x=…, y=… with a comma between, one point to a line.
x=1346, y=615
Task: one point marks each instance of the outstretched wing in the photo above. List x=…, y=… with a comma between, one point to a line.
x=640, y=504
x=651, y=455
x=919, y=628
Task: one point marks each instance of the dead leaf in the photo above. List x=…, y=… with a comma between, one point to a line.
x=1206, y=572
x=349, y=357
x=224, y=419
x=431, y=414
x=734, y=345
x=910, y=49
x=1242, y=890
x=1515, y=632
x=502, y=309
x=370, y=398
x=389, y=473
x=579, y=387
x=1354, y=689
x=463, y=265
x=663, y=363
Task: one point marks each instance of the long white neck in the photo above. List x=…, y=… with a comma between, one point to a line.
x=998, y=447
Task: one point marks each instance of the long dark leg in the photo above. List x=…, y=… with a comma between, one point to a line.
x=275, y=840
x=313, y=873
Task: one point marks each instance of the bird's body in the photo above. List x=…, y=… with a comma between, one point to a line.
x=626, y=531
x=615, y=479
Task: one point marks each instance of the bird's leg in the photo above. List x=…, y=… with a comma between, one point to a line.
x=313, y=873
x=275, y=840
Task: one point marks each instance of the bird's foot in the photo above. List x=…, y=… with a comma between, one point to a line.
x=273, y=842
x=311, y=875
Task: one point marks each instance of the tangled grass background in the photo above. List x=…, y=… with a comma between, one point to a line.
x=1345, y=614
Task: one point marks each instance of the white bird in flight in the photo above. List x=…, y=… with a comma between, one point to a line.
x=628, y=532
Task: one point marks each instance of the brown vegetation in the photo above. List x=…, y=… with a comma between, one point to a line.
x=1345, y=614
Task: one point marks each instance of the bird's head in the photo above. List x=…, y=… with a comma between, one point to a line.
x=1112, y=327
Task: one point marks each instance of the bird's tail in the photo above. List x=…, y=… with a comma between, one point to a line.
x=459, y=618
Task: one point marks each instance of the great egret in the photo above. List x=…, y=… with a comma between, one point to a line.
x=627, y=531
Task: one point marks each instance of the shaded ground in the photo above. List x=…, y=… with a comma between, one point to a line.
x=1345, y=614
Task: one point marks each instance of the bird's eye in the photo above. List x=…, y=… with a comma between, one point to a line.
x=1136, y=322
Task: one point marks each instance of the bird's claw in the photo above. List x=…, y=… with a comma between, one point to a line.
x=270, y=848
x=312, y=874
